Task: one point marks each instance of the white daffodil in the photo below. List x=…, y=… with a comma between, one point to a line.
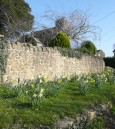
x=42, y=90
x=40, y=95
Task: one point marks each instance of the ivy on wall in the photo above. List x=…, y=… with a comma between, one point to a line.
x=3, y=57
x=70, y=52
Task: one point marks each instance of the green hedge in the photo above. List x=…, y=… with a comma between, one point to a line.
x=88, y=47
x=110, y=61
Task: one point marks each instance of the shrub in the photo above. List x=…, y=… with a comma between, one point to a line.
x=84, y=50
x=88, y=47
x=110, y=61
x=61, y=40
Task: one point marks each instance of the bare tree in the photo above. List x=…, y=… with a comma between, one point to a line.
x=77, y=26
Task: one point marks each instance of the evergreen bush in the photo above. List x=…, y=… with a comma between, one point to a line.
x=61, y=40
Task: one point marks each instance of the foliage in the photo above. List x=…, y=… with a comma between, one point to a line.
x=98, y=123
x=68, y=52
x=110, y=61
x=84, y=84
x=3, y=58
x=61, y=40
x=88, y=47
x=36, y=90
x=84, y=50
x=46, y=102
x=99, y=79
x=110, y=76
x=15, y=17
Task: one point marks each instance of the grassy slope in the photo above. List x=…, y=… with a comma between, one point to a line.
x=67, y=103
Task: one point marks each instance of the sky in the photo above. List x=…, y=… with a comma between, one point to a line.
x=101, y=14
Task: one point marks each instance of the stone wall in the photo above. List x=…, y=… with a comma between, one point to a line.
x=28, y=62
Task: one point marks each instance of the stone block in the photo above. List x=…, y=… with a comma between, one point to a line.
x=19, y=46
x=40, y=49
x=64, y=123
x=14, y=45
x=1, y=36
x=91, y=114
x=22, y=54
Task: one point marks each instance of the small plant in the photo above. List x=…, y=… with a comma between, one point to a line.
x=110, y=76
x=98, y=79
x=12, y=90
x=34, y=91
x=73, y=78
x=84, y=85
x=53, y=88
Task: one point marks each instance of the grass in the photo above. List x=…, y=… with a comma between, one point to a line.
x=17, y=112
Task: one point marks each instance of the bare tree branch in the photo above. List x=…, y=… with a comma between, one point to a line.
x=77, y=27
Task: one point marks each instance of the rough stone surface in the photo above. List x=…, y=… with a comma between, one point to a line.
x=28, y=62
x=1, y=36
x=64, y=123
x=87, y=117
x=91, y=114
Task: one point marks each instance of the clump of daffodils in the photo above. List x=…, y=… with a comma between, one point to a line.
x=36, y=90
x=83, y=84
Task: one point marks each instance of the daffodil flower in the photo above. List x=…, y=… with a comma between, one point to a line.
x=59, y=81
x=86, y=81
x=45, y=79
x=40, y=95
x=11, y=81
x=32, y=85
x=40, y=80
x=35, y=95
x=26, y=92
x=92, y=80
